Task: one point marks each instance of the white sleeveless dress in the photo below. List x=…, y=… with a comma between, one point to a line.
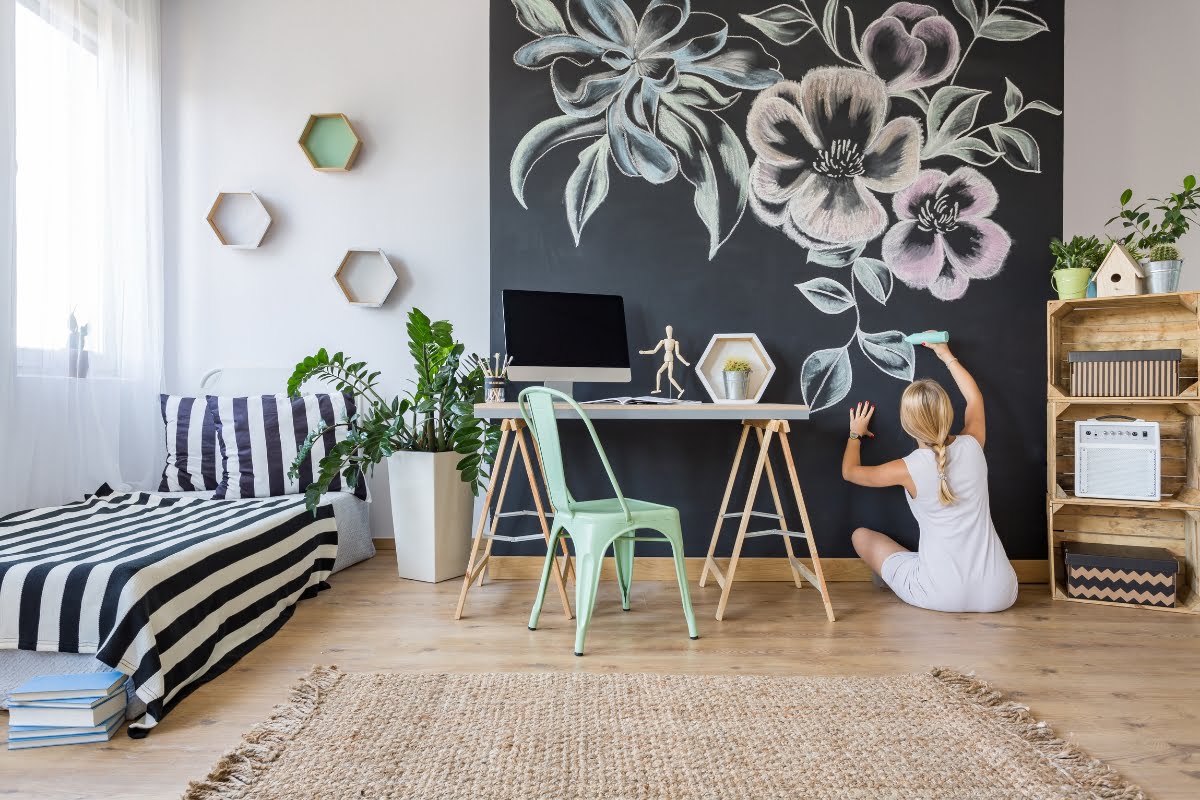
x=960, y=564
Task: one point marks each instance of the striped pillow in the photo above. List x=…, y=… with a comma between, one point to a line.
x=260, y=436
x=192, y=449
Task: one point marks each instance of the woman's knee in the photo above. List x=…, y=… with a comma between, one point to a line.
x=861, y=539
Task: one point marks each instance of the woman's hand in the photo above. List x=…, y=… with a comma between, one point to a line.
x=860, y=418
x=940, y=349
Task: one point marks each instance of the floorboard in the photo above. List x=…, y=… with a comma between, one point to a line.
x=1120, y=683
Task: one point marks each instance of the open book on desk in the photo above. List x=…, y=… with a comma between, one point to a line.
x=645, y=400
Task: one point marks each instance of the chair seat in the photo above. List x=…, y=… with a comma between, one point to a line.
x=612, y=507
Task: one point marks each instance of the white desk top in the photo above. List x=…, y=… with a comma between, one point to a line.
x=681, y=411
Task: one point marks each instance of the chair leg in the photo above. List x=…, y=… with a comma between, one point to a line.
x=549, y=565
x=675, y=537
x=623, y=556
x=587, y=581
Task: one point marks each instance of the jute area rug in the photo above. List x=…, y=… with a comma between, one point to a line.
x=575, y=735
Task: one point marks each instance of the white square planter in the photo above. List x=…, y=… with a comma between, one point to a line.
x=431, y=515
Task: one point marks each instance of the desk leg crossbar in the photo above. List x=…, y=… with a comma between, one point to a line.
x=765, y=431
x=512, y=441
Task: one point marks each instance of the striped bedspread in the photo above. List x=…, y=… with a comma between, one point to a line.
x=170, y=590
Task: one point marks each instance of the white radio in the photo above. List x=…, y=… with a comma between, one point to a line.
x=1117, y=459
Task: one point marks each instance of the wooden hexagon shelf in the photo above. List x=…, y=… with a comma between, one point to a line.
x=366, y=277
x=330, y=143
x=735, y=345
x=239, y=219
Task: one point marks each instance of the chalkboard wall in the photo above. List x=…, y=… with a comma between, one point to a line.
x=827, y=180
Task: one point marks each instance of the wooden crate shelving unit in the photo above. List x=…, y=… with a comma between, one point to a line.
x=1172, y=523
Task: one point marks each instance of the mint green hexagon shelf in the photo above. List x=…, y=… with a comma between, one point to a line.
x=330, y=143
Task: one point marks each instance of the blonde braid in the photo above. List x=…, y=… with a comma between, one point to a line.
x=926, y=414
x=945, y=495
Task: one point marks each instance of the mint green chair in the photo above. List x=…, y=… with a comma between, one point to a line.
x=594, y=525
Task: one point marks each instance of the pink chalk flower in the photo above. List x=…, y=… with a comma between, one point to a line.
x=910, y=46
x=943, y=238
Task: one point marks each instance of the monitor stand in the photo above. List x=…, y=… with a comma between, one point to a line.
x=566, y=387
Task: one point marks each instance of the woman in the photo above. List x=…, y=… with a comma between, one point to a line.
x=960, y=564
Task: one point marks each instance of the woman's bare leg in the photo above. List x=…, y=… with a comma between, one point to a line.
x=874, y=547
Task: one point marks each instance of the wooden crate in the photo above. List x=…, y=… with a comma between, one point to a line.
x=1123, y=323
x=1172, y=529
x=1179, y=434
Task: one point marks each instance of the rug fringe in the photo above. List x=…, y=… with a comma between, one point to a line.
x=236, y=772
x=1095, y=779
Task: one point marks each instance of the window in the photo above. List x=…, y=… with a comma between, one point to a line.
x=59, y=189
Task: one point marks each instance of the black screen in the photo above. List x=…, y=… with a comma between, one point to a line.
x=563, y=329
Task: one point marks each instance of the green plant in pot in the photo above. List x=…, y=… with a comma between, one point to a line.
x=438, y=453
x=1074, y=263
x=736, y=374
x=1152, y=230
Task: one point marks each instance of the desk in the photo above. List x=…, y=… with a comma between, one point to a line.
x=769, y=421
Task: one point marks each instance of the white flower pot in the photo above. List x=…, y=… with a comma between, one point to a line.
x=431, y=515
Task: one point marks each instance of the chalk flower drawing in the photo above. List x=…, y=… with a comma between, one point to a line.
x=910, y=46
x=644, y=94
x=823, y=151
x=888, y=118
x=944, y=239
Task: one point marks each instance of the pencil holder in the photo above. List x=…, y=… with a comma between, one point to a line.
x=494, y=389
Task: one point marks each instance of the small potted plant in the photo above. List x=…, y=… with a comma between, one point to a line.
x=1074, y=263
x=1162, y=268
x=1154, y=244
x=77, y=354
x=736, y=372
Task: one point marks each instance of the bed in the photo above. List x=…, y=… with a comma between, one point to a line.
x=41, y=613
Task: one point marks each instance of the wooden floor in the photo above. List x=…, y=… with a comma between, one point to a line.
x=1122, y=683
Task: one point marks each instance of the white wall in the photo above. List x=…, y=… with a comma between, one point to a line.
x=239, y=81
x=1131, y=114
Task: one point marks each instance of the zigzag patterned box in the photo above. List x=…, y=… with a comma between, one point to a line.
x=1144, y=576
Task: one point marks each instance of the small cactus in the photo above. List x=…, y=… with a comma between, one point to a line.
x=1164, y=252
x=735, y=364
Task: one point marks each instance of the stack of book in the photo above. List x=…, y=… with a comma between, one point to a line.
x=66, y=709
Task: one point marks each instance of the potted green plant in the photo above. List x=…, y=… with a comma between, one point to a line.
x=438, y=452
x=77, y=354
x=736, y=373
x=1144, y=235
x=1074, y=263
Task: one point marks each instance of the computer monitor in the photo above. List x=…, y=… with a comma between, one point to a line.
x=562, y=338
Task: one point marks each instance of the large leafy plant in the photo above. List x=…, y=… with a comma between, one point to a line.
x=435, y=416
x=1176, y=213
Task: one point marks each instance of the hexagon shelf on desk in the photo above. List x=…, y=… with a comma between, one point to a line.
x=735, y=345
x=366, y=277
x=239, y=219
x=330, y=143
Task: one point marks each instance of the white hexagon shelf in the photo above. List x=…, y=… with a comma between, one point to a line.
x=735, y=345
x=239, y=219
x=366, y=277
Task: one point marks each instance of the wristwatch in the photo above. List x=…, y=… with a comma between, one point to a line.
x=854, y=435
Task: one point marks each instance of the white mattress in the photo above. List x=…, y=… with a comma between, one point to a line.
x=354, y=545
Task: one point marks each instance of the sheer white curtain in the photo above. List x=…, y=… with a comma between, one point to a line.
x=81, y=219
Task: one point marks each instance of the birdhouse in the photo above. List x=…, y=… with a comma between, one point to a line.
x=1119, y=274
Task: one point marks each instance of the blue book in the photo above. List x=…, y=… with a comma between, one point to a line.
x=105, y=732
x=62, y=687
x=78, y=717
x=70, y=702
x=23, y=732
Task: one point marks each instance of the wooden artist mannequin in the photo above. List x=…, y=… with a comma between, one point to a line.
x=670, y=348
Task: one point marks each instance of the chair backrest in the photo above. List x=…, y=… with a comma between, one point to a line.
x=537, y=408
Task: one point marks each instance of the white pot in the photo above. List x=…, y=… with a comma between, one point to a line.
x=431, y=515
